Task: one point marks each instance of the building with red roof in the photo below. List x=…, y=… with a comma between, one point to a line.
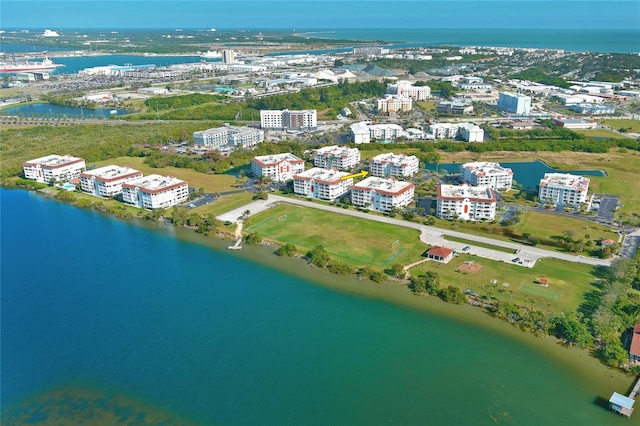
x=440, y=254
x=634, y=350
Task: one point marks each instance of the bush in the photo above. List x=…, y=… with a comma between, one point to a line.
x=287, y=250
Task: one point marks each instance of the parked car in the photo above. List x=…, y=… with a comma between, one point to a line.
x=466, y=248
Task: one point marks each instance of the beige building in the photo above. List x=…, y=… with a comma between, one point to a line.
x=322, y=184
x=61, y=168
x=466, y=202
x=381, y=194
x=277, y=167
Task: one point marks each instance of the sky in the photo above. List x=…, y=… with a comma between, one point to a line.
x=315, y=14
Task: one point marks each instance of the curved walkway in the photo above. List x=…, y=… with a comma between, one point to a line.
x=435, y=236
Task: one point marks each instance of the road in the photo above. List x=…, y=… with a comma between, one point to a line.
x=433, y=236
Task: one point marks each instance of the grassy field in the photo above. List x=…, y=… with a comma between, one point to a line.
x=600, y=133
x=634, y=125
x=209, y=183
x=540, y=225
x=568, y=282
x=225, y=203
x=358, y=242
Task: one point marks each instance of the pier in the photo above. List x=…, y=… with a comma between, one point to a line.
x=624, y=404
x=236, y=246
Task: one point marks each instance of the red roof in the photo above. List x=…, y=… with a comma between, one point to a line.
x=440, y=251
x=635, y=341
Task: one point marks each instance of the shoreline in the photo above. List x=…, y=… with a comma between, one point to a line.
x=587, y=369
x=580, y=361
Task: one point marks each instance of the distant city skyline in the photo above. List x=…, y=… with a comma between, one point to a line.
x=323, y=14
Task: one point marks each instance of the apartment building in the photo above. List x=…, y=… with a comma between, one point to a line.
x=285, y=119
x=406, y=88
x=443, y=130
x=277, y=167
x=107, y=181
x=155, y=192
x=61, y=168
x=322, y=184
x=385, y=131
x=382, y=194
x=392, y=165
x=468, y=132
x=392, y=104
x=336, y=157
x=515, y=103
x=563, y=188
x=220, y=137
x=488, y=174
x=466, y=202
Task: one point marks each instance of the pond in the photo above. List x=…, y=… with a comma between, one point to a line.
x=46, y=110
x=527, y=173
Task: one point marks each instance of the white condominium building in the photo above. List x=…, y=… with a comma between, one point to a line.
x=285, y=119
x=155, y=192
x=492, y=175
x=515, y=103
x=394, y=103
x=466, y=202
x=360, y=132
x=242, y=137
x=336, y=157
x=386, y=131
x=382, y=194
x=406, y=88
x=278, y=167
x=392, y=165
x=443, y=130
x=107, y=181
x=563, y=188
x=59, y=167
x=322, y=184
x=470, y=132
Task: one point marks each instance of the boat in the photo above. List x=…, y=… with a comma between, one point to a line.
x=211, y=54
x=26, y=66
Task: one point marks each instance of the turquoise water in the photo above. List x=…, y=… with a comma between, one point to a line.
x=578, y=40
x=527, y=173
x=92, y=302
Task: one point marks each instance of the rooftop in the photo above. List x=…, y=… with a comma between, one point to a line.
x=378, y=184
x=390, y=157
x=275, y=158
x=486, y=168
x=53, y=160
x=154, y=182
x=635, y=340
x=565, y=180
x=460, y=192
x=318, y=174
x=111, y=172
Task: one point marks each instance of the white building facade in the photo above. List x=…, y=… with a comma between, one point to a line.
x=285, y=119
x=515, y=103
x=155, y=192
x=336, y=157
x=322, y=184
x=360, y=132
x=406, y=88
x=381, y=194
x=392, y=165
x=385, y=131
x=488, y=174
x=466, y=202
x=563, y=188
x=278, y=167
x=239, y=137
x=59, y=167
x=107, y=181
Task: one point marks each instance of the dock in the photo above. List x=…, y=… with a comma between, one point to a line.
x=236, y=246
x=624, y=404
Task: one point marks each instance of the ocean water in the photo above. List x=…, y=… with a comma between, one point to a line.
x=96, y=306
x=577, y=40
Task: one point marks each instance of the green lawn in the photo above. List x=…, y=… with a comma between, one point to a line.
x=623, y=124
x=568, y=282
x=209, y=183
x=351, y=240
x=599, y=133
x=225, y=203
